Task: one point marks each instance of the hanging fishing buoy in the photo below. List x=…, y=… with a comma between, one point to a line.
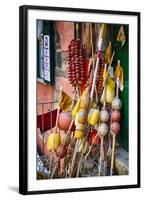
x=53, y=141
x=76, y=120
x=93, y=116
x=85, y=99
x=93, y=137
x=116, y=104
x=115, y=127
x=82, y=115
x=115, y=116
x=80, y=126
x=76, y=108
x=104, y=116
x=79, y=134
x=64, y=121
x=65, y=139
x=103, y=129
x=110, y=93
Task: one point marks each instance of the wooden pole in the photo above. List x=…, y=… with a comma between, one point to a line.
x=55, y=168
x=117, y=89
x=52, y=153
x=113, y=153
x=78, y=169
x=101, y=155
x=58, y=111
x=74, y=158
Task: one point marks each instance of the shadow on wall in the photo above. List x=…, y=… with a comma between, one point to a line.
x=14, y=189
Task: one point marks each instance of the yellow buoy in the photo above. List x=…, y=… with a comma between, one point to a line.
x=85, y=100
x=76, y=108
x=53, y=141
x=76, y=120
x=82, y=115
x=79, y=134
x=80, y=126
x=93, y=116
x=110, y=93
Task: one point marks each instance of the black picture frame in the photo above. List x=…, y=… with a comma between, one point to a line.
x=23, y=97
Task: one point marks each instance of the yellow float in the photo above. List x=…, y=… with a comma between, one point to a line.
x=80, y=126
x=93, y=116
x=76, y=108
x=85, y=99
x=53, y=141
x=79, y=134
x=109, y=93
x=82, y=115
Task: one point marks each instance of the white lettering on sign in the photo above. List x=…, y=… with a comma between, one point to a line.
x=47, y=57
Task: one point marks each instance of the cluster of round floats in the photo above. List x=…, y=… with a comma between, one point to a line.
x=84, y=117
x=76, y=62
x=80, y=113
x=116, y=115
x=59, y=142
x=104, y=120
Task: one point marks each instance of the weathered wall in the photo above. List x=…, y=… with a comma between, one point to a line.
x=66, y=33
x=47, y=93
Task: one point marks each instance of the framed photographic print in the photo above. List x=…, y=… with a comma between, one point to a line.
x=79, y=99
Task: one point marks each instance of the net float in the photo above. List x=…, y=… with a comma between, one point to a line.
x=76, y=108
x=110, y=94
x=61, y=151
x=82, y=115
x=93, y=116
x=117, y=104
x=103, y=129
x=85, y=100
x=80, y=126
x=115, y=127
x=53, y=141
x=76, y=120
x=65, y=139
x=79, y=134
x=93, y=137
x=64, y=121
x=104, y=116
x=116, y=116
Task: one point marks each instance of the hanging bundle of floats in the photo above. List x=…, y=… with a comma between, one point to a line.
x=86, y=129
